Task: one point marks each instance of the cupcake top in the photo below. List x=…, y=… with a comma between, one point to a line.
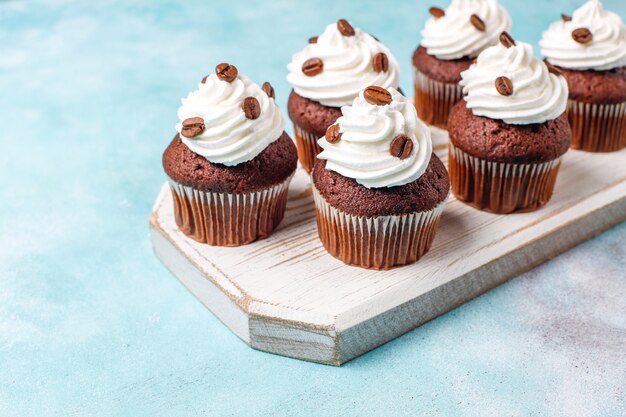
x=379, y=141
x=229, y=119
x=509, y=83
x=335, y=66
x=464, y=29
x=591, y=39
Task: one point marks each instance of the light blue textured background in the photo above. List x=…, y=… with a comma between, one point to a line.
x=91, y=324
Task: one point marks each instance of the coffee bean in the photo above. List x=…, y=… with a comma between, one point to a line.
x=269, y=90
x=377, y=96
x=553, y=70
x=582, y=35
x=251, y=108
x=477, y=22
x=437, y=12
x=345, y=28
x=192, y=127
x=312, y=67
x=401, y=146
x=506, y=40
x=226, y=72
x=566, y=18
x=332, y=134
x=313, y=39
x=504, y=86
x=381, y=62
x=206, y=77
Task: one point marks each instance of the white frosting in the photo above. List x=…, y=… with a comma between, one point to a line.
x=606, y=50
x=229, y=137
x=347, y=70
x=538, y=95
x=453, y=35
x=363, y=153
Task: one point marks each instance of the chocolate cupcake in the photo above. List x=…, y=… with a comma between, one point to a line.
x=589, y=48
x=451, y=39
x=379, y=190
x=509, y=133
x=329, y=73
x=231, y=162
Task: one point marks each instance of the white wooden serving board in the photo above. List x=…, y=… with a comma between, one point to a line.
x=287, y=296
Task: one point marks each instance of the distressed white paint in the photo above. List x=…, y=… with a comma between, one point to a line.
x=439, y=138
x=286, y=295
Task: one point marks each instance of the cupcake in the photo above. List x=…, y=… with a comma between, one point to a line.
x=379, y=190
x=451, y=39
x=589, y=48
x=508, y=134
x=230, y=164
x=329, y=73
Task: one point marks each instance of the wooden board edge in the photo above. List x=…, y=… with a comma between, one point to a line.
x=298, y=340
x=207, y=292
x=295, y=340
x=440, y=300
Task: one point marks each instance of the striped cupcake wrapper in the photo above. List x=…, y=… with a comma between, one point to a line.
x=306, y=142
x=501, y=187
x=434, y=99
x=597, y=127
x=228, y=219
x=382, y=242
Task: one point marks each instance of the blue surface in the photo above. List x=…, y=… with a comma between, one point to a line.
x=91, y=324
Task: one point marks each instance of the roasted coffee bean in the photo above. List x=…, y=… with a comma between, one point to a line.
x=251, y=108
x=437, y=12
x=377, y=95
x=477, y=22
x=192, y=127
x=332, y=134
x=381, y=62
x=401, y=146
x=553, y=70
x=312, y=67
x=206, y=77
x=506, y=40
x=504, y=86
x=313, y=39
x=566, y=18
x=269, y=90
x=582, y=35
x=226, y=72
x=345, y=28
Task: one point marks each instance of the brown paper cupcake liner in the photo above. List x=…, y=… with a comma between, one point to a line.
x=597, y=127
x=382, y=242
x=434, y=99
x=228, y=219
x=306, y=142
x=500, y=187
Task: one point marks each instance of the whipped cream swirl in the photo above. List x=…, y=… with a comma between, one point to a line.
x=453, y=36
x=347, y=69
x=363, y=153
x=538, y=95
x=607, y=49
x=229, y=137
